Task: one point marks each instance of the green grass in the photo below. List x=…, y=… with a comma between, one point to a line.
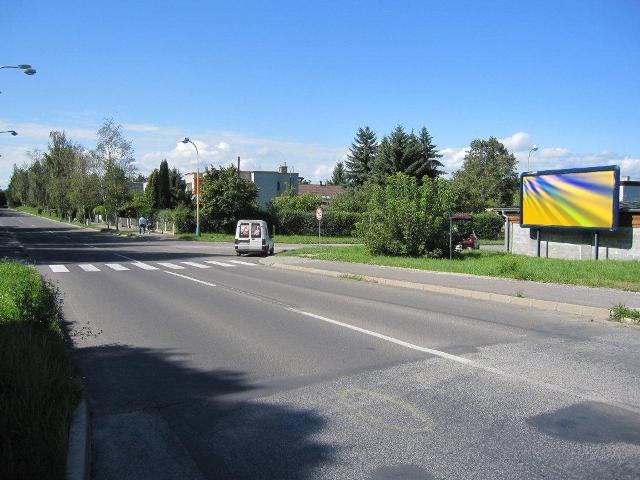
x=38, y=386
x=305, y=239
x=620, y=312
x=619, y=274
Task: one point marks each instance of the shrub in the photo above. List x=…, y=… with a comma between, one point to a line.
x=185, y=219
x=405, y=219
x=334, y=223
x=488, y=225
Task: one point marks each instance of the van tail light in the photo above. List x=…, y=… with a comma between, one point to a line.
x=264, y=242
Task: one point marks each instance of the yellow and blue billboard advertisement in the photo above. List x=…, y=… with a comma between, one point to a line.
x=580, y=198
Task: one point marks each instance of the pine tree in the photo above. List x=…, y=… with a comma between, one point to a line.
x=427, y=162
x=396, y=153
x=164, y=192
x=151, y=191
x=339, y=176
x=361, y=156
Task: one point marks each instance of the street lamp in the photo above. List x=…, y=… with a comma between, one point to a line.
x=26, y=69
x=196, y=185
x=12, y=132
x=533, y=149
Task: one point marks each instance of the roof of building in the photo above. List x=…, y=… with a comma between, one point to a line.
x=323, y=190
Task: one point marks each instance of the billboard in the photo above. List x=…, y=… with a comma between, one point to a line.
x=579, y=198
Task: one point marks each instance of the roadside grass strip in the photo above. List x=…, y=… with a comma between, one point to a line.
x=39, y=388
x=622, y=313
x=620, y=274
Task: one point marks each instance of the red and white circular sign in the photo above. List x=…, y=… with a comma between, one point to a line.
x=319, y=213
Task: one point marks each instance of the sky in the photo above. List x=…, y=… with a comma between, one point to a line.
x=278, y=81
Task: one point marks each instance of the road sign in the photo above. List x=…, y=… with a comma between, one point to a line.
x=319, y=213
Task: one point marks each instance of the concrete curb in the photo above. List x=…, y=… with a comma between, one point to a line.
x=583, y=310
x=79, y=452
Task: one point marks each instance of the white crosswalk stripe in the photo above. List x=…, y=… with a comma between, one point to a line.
x=172, y=266
x=144, y=266
x=58, y=268
x=116, y=266
x=87, y=267
x=220, y=264
x=195, y=264
x=240, y=262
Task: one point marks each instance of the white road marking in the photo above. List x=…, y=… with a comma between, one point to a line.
x=191, y=278
x=58, y=268
x=116, y=266
x=240, y=262
x=144, y=266
x=221, y=264
x=172, y=266
x=87, y=267
x=195, y=264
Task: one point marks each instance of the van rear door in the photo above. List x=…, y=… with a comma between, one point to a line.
x=256, y=236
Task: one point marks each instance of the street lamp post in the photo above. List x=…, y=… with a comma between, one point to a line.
x=12, y=132
x=196, y=185
x=26, y=69
x=533, y=149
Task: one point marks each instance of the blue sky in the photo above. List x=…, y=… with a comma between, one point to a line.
x=292, y=81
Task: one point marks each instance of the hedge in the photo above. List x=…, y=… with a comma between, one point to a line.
x=334, y=223
x=488, y=225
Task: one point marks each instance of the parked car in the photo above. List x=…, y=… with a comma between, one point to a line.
x=472, y=241
x=252, y=236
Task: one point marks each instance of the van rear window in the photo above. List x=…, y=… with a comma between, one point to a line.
x=256, y=230
x=244, y=230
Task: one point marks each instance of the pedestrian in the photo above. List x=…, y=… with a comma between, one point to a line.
x=142, y=225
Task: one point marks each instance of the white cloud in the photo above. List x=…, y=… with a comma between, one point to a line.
x=517, y=141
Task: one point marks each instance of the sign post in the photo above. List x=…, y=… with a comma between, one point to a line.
x=319, y=213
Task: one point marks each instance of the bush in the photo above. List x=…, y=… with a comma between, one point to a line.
x=38, y=386
x=334, y=223
x=407, y=220
x=185, y=219
x=488, y=225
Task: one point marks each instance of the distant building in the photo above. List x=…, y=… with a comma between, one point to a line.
x=189, y=180
x=326, y=192
x=623, y=244
x=272, y=184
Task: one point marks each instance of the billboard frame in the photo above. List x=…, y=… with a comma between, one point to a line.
x=616, y=198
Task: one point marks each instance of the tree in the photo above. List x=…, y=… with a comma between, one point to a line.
x=488, y=177
x=226, y=198
x=361, y=156
x=164, y=191
x=178, y=188
x=3, y=199
x=306, y=202
x=59, y=162
x=427, y=162
x=396, y=153
x=151, y=192
x=84, y=192
x=18, y=189
x=339, y=176
x=115, y=166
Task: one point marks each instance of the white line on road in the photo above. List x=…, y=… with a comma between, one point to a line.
x=58, y=268
x=172, y=266
x=144, y=266
x=195, y=264
x=116, y=266
x=191, y=278
x=87, y=267
x=221, y=264
x=243, y=263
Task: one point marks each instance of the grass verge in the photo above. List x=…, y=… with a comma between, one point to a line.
x=618, y=274
x=304, y=239
x=38, y=386
x=621, y=312
x=491, y=242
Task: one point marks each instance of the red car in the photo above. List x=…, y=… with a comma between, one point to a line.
x=472, y=241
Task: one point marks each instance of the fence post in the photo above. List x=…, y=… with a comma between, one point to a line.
x=173, y=228
x=164, y=230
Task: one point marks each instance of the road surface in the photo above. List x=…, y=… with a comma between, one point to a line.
x=201, y=364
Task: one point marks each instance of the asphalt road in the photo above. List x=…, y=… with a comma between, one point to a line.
x=236, y=370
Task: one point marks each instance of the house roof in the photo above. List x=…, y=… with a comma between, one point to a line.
x=322, y=190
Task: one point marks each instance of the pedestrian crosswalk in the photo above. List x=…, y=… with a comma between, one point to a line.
x=137, y=265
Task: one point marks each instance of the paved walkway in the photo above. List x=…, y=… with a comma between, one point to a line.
x=570, y=294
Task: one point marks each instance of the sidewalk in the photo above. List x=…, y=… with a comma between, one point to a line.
x=593, y=302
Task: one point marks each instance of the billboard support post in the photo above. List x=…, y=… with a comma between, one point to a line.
x=596, y=243
x=538, y=242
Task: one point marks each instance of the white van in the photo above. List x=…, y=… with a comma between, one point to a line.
x=252, y=236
